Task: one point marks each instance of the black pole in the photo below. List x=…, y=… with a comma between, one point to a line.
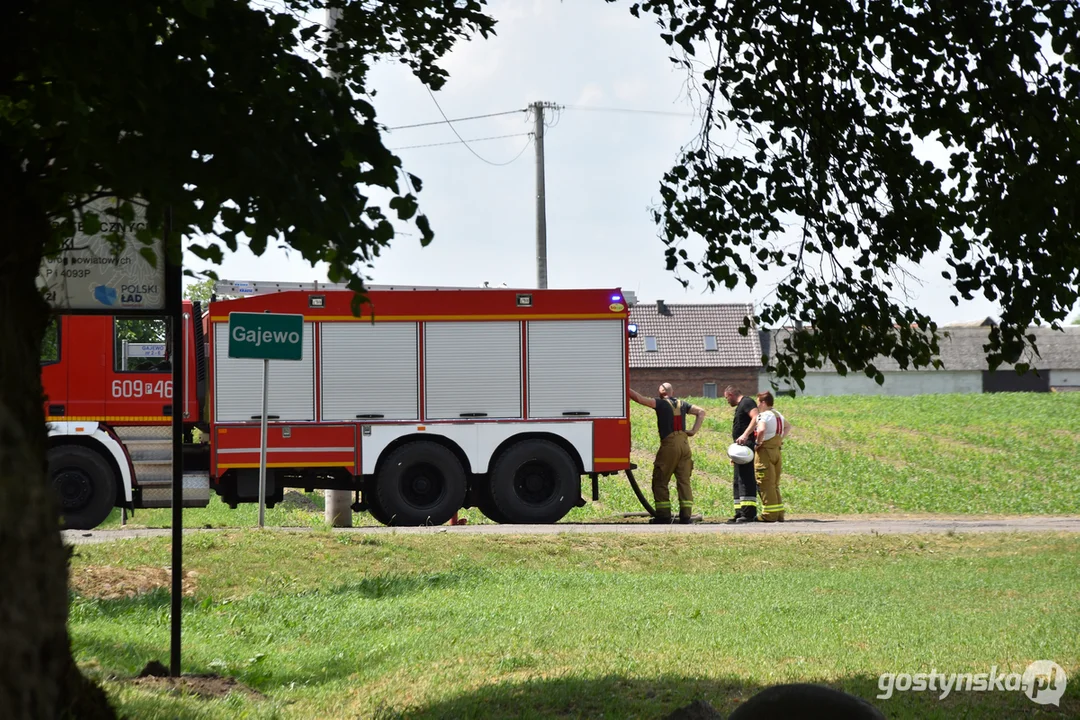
x=174, y=300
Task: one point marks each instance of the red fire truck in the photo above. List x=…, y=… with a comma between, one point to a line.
x=432, y=400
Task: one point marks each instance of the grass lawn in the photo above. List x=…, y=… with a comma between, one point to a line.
x=328, y=625
x=991, y=454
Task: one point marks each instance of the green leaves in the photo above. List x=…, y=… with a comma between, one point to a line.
x=842, y=197
x=198, y=8
x=149, y=255
x=224, y=113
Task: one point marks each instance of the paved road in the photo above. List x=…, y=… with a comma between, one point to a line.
x=802, y=526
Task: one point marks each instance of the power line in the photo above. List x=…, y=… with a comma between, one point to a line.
x=548, y=123
x=590, y=108
x=594, y=108
x=462, y=119
x=464, y=141
x=461, y=142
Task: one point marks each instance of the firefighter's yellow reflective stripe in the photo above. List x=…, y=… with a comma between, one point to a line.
x=108, y=418
x=230, y=466
x=662, y=504
x=686, y=503
x=436, y=318
x=611, y=460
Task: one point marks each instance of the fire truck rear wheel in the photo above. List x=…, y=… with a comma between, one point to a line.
x=535, y=481
x=484, y=502
x=421, y=483
x=84, y=485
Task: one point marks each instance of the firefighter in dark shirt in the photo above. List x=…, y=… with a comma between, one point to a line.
x=674, y=453
x=744, y=485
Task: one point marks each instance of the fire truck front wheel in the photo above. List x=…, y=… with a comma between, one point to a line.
x=84, y=485
x=535, y=481
x=421, y=483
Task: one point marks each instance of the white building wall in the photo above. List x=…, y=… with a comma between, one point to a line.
x=1065, y=378
x=932, y=382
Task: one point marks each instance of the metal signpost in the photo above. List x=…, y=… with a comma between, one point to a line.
x=88, y=275
x=174, y=295
x=266, y=337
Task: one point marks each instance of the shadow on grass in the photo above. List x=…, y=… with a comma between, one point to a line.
x=163, y=706
x=126, y=659
x=641, y=521
x=621, y=697
x=396, y=585
x=153, y=600
x=388, y=585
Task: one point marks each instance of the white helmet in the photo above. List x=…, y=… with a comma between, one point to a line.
x=740, y=454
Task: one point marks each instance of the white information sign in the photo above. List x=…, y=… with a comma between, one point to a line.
x=89, y=275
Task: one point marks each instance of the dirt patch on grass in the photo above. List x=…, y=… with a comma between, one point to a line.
x=294, y=499
x=1066, y=435
x=156, y=676
x=108, y=582
x=919, y=439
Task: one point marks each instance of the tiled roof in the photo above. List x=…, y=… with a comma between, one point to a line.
x=680, y=336
x=963, y=350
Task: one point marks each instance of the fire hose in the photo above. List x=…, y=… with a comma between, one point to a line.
x=637, y=491
x=641, y=497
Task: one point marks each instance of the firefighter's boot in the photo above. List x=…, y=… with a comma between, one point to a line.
x=748, y=514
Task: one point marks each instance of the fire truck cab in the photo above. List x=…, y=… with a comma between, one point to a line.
x=431, y=400
x=108, y=408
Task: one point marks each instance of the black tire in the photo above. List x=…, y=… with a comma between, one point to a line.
x=85, y=486
x=484, y=502
x=421, y=483
x=373, y=507
x=535, y=481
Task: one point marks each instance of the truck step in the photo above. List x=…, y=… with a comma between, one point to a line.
x=153, y=472
x=159, y=494
x=161, y=433
x=149, y=450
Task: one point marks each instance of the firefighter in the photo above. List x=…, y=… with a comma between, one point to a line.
x=673, y=456
x=769, y=435
x=744, y=486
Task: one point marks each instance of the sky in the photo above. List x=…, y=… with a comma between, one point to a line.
x=625, y=115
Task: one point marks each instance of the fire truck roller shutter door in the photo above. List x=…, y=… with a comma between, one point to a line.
x=421, y=483
x=535, y=481
x=85, y=486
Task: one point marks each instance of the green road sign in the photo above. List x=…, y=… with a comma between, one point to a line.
x=266, y=336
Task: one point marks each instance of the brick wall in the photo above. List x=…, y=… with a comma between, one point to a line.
x=690, y=382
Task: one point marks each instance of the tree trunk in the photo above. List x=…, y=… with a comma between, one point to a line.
x=38, y=674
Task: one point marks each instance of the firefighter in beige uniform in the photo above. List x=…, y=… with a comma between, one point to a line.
x=674, y=453
x=771, y=429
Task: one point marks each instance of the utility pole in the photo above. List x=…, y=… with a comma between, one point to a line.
x=338, y=511
x=541, y=200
